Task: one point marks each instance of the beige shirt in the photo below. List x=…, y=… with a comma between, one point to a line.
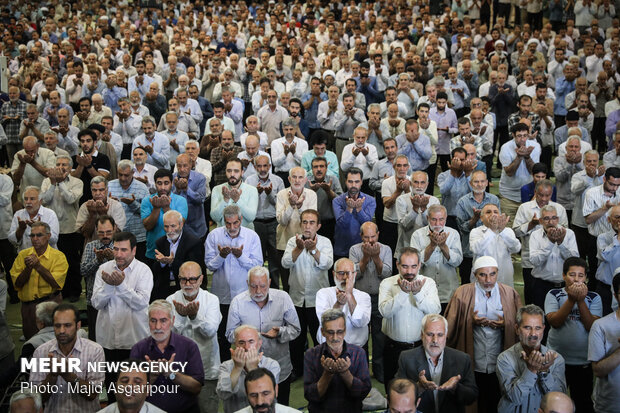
x=44, y=157
x=64, y=200
x=115, y=210
x=289, y=218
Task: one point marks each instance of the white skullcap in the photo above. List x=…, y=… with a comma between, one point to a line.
x=329, y=73
x=499, y=41
x=485, y=261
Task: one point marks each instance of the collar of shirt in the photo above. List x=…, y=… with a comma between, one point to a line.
x=94, y=154
x=174, y=243
x=494, y=291
x=131, y=266
x=77, y=348
x=171, y=344
x=327, y=352
x=430, y=360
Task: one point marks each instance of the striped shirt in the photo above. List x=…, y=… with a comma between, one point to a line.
x=66, y=399
x=11, y=126
x=133, y=222
x=594, y=199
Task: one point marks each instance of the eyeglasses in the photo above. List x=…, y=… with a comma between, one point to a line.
x=192, y=280
x=547, y=219
x=37, y=235
x=343, y=273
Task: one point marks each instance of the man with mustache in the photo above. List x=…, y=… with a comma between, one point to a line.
x=246, y=357
x=101, y=204
x=440, y=252
x=260, y=386
x=191, y=185
x=166, y=346
x=487, y=308
x=550, y=246
x=96, y=253
x=156, y=144
x=171, y=250
x=121, y=295
x=402, y=317
x=336, y=374
x=444, y=373
x=528, y=370
x=273, y=314
x=197, y=316
x=353, y=302
x=67, y=342
x=234, y=192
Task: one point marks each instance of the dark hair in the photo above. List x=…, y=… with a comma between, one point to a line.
x=540, y=167
x=125, y=236
x=259, y=373
x=408, y=251
x=355, y=171
x=573, y=262
x=612, y=172
x=318, y=159
x=464, y=121
x=441, y=95
x=140, y=62
x=541, y=86
x=424, y=105
x=460, y=149
x=616, y=284
x=302, y=111
x=133, y=365
x=87, y=132
x=218, y=105
x=162, y=173
x=85, y=98
x=105, y=218
x=251, y=61
x=237, y=160
x=520, y=127
x=313, y=212
x=319, y=136
x=67, y=307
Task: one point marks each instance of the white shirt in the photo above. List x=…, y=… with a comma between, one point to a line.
x=440, y=269
x=146, y=408
x=289, y=218
x=403, y=312
x=548, y=257
x=63, y=199
x=484, y=242
x=409, y=220
x=147, y=172
x=6, y=206
x=356, y=321
x=307, y=276
x=279, y=409
x=522, y=219
x=262, y=138
x=487, y=340
x=123, y=309
x=361, y=161
x=44, y=214
x=388, y=187
x=202, y=329
x=282, y=162
x=594, y=199
x=129, y=128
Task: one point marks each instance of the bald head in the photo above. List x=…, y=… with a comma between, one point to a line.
x=556, y=402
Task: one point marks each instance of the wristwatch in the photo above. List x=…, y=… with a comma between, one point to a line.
x=172, y=376
x=313, y=252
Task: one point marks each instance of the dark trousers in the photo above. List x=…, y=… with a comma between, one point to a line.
x=284, y=391
x=465, y=270
x=527, y=285
x=598, y=135
x=284, y=176
x=29, y=318
x=71, y=245
x=545, y=157
x=489, y=398
x=266, y=230
x=604, y=290
x=579, y=382
x=389, y=237
x=379, y=211
x=391, y=354
x=378, y=338
x=539, y=290
x=112, y=355
x=535, y=20
x=586, y=243
x=221, y=334
x=559, y=120
x=443, y=162
x=328, y=228
x=501, y=135
x=141, y=251
x=126, y=153
x=91, y=315
x=7, y=256
x=451, y=222
x=284, y=272
x=309, y=324
x=461, y=112
x=488, y=162
x=431, y=171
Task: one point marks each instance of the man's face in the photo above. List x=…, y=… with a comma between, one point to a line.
x=434, y=338
x=334, y=332
x=252, y=125
x=160, y=324
x=575, y=275
x=258, y=286
x=125, y=176
x=99, y=191
x=163, y=185
x=543, y=195
x=341, y=276
x=531, y=331
x=359, y=136
x=354, y=184
x=233, y=173
x=105, y=231
x=520, y=138
x=441, y=104
x=227, y=140
x=261, y=395
x=262, y=167
x=479, y=183
x=248, y=339
x=573, y=146
x=297, y=180
x=184, y=166
x=123, y=253
x=401, y=167
x=65, y=326
x=486, y=278
x=182, y=97
x=309, y=226
x=233, y=225
x=437, y=220
x=135, y=385
x=139, y=156
x=390, y=148
x=408, y=266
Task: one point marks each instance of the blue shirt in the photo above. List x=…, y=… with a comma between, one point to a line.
x=465, y=211
x=562, y=88
x=452, y=189
x=195, y=194
x=230, y=274
x=111, y=97
x=132, y=211
x=311, y=113
x=348, y=224
x=332, y=162
x=418, y=152
x=178, y=203
x=528, y=190
x=161, y=149
x=571, y=339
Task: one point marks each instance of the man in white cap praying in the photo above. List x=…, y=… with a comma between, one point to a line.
x=482, y=318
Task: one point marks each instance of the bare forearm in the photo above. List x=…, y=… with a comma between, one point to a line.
x=586, y=317
x=150, y=221
x=23, y=277
x=323, y=384
x=47, y=276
